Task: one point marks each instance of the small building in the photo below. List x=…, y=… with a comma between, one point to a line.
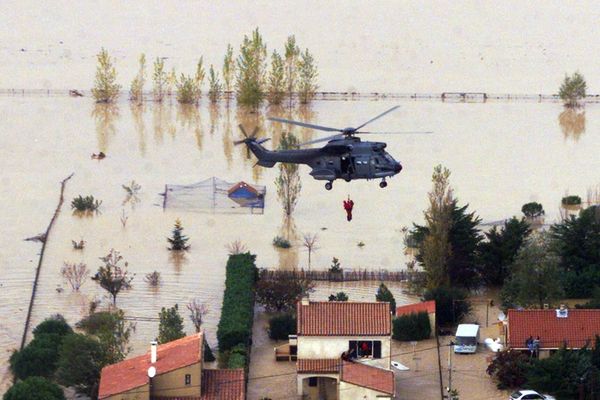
x=171, y=371
x=344, y=350
x=424, y=306
x=572, y=328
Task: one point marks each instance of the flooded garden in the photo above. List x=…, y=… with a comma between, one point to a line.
x=501, y=154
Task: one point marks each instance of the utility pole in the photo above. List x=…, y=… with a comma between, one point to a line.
x=450, y=350
x=437, y=340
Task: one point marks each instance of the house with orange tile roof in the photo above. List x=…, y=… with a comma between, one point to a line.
x=572, y=328
x=424, y=306
x=171, y=371
x=344, y=350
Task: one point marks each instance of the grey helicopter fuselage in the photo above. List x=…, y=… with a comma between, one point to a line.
x=348, y=158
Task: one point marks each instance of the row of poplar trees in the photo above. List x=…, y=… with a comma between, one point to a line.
x=291, y=74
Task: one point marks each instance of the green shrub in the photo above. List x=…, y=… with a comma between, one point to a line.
x=339, y=296
x=282, y=243
x=281, y=326
x=237, y=313
x=236, y=360
x=87, y=203
x=34, y=388
x=55, y=324
x=38, y=358
x=532, y=210
x=414, y=326
x=384, y=294
x=571, y=200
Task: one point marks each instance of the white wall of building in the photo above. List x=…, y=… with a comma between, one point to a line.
x=314, y=347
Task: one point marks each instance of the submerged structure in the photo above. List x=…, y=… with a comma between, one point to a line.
x=216, y=195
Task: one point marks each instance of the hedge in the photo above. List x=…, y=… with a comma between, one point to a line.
x=414, y=326
x=237, y=313
x=281, y=326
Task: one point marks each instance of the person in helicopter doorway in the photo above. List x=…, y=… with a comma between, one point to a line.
x=348, y=206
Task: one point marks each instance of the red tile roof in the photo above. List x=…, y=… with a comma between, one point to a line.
x=344, y=318
x=223, y=384
x=426, y=306
x=369, y=377
x=576, y=329
x=321, y=365
x=133, y=372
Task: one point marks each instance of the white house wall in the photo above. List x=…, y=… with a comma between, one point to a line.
x=315, y=347
x=348, y=391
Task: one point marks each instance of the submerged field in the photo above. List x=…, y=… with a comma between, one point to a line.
x=501, y=155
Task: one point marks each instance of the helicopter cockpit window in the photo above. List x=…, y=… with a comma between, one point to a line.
x=389, y=158
x=375, y=160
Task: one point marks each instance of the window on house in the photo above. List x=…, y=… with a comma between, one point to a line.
x=364, y=349
x=188, y=379
x=312, y=382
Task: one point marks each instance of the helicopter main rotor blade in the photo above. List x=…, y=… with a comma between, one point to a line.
x=377, y=117
x=304, y=124
x=396, y=133
x=325, y=139
x=243, y=130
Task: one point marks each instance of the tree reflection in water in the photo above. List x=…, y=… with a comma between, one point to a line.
x=288, y=258
x=188, y=117
x=137, y=114
x=105, y=115
x=572, y=123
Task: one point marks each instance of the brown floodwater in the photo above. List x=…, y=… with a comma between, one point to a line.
x=501, y=155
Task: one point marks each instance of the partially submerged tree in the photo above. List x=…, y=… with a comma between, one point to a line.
x=572, y=90
x=282, y=294
x=292, y=52
x=276, y=81
x=113, y=332
x=288, y=181
x=307, y=77
x=309, y=241
x=74, y=274
x=113, y=277
x=251, y=67
x=228, y=69
x=535, y=278
x=200, y=73
x=215, y=86
x=106, y=89
x=188, y=90
x=153, y=278
x=160, y=78
x=335, y=266
x=136, y=91
x=236, y=247
x=384, y=294
x=532, y=210
x=171, y=325
x=197, y=311
x=178, y=241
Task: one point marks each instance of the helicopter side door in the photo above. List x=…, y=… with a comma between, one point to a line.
x=361, y=166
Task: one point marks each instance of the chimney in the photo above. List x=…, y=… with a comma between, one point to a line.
x=305, y=301
x=153, y=348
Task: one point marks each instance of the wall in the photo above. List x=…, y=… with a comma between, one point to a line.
x=328, y=381
x=348, y=391
x=312, y=347
x=176, y=379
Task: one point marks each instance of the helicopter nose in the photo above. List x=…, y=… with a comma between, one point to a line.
x=398, y=167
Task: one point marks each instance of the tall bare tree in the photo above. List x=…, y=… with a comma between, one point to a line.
x=310, y=242
x=197, y=311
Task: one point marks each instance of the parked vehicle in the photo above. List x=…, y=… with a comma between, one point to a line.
x=467, y=337
x=529, y=395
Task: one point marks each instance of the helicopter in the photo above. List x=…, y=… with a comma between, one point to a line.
x=345, y=156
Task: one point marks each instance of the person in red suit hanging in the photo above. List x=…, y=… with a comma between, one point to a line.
x=348, y=205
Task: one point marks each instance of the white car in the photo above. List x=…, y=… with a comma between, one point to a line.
x=529, y=395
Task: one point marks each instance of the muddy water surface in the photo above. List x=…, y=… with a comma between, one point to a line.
x=501, y=156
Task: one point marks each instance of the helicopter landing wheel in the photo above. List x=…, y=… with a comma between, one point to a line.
x=382, y=184
x=328, y=186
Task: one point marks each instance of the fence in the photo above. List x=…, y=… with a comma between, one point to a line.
x=343, y=276
x=464, y=97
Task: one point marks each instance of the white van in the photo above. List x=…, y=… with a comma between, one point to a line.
x=467, y=337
